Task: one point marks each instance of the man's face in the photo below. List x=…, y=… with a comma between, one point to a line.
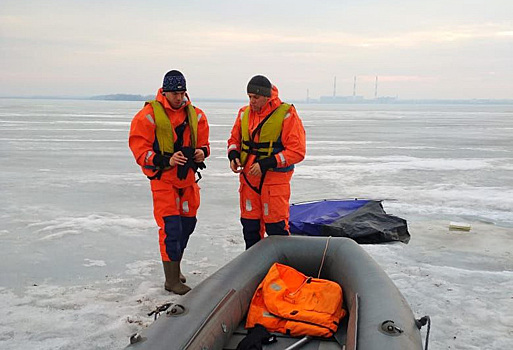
x=256, y=102
x=175, y=98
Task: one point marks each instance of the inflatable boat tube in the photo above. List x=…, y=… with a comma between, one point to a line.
x=211, y=316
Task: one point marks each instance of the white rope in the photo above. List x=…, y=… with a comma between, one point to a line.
x=323, y=257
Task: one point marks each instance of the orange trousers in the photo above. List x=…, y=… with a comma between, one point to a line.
x=267, y=212
x=175, y=211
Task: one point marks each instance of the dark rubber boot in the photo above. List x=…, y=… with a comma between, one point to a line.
x=173, y=283
x=182, y=277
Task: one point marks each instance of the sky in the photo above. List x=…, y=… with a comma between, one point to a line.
x=417, y=49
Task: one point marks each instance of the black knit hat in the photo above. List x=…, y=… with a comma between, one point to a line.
x=260, y=85
x=174, y=81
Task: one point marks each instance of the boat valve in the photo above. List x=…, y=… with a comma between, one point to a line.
x=176, y=310
x=388, y=327
x=135, y=338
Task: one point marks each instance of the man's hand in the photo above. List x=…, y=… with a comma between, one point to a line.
x=235, y=165
x=199, y=155
x=177, y=159
x=255, y=169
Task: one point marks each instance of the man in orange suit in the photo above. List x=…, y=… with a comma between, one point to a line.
x=169, y=140
x=267, y=140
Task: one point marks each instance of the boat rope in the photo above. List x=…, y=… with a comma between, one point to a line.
x=159, y=309
x=422, y=322
x=323, y=257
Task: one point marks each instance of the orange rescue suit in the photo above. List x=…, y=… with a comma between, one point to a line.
x=142, y=138
x=175, y=201
x=271, y=206
x=289, y=302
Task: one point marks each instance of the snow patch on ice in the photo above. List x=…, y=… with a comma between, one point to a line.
x=90, y=263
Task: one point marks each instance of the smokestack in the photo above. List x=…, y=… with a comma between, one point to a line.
x=354, y=87
x=335, y=87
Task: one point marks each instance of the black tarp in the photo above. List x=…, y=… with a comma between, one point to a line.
x=364, y=221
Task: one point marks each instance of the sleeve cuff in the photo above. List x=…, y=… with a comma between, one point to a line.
x=161, y=161
x=268, y=163
x=233, y=155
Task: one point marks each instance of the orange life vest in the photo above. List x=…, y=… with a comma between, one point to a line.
x=289, y=302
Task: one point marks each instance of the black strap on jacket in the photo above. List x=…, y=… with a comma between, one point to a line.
x=188, y=152
x=160, y=162
x=156, y=176
x=260, y=185
x=251, y=144
x=252, y=150
x=259, y=126
x=179, y=134
x=254, y=146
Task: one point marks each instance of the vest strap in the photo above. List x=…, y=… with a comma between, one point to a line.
x=165, y=143
x=268, y=131
x=260, y=185
x=271, y=144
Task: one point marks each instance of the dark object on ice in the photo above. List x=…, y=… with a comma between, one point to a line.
x=212, y=315
x=160, y=309
x=364, y=221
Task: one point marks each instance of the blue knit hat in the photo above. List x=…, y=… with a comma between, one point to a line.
x=173, y=81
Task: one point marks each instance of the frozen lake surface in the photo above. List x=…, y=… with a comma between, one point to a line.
x=80, y=264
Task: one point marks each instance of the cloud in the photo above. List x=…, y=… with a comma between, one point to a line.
x=447, y=34
x=88, y=49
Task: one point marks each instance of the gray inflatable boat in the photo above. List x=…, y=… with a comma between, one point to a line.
x=212, y=315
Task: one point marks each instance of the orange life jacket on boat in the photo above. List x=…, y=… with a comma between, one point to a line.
x=289, y=302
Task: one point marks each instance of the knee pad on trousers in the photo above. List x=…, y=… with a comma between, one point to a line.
x=276, y=229
x=188, y=226
x=251, y=231
x=173, y=231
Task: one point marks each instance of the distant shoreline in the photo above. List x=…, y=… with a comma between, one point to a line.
x=323, y=101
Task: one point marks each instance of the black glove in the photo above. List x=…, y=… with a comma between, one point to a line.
x=233, y=155
x=201, y=165
x=183, y=170
x=257, y=336
x=267, y=163
x=205, y=151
